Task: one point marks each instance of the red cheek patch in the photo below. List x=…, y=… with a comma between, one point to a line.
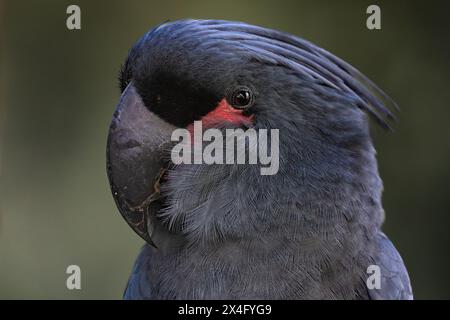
x=225, y=113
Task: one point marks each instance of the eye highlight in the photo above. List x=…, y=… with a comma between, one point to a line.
x=241, y=98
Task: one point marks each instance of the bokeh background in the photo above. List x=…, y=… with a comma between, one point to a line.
x=58, y=89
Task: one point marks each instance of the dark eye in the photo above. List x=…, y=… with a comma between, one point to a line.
x=241, y=98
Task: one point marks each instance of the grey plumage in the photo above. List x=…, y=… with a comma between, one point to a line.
x=227, y=232
x=395, y=283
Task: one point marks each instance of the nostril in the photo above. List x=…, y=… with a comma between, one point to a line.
x=131, y=143
x=124, y=141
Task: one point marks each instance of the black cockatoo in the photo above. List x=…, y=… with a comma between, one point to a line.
x=226, y=231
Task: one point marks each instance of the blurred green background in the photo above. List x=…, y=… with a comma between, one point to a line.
x=59, y=88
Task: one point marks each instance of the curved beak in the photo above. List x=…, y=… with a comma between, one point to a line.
x=135, y=162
